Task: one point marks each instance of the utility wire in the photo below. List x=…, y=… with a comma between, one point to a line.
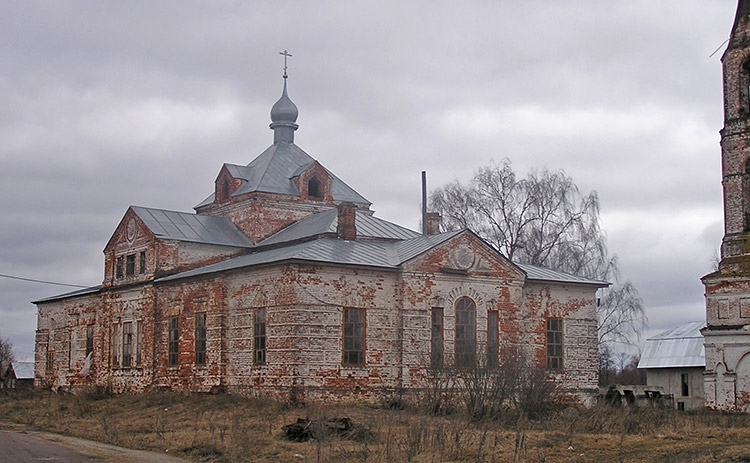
x=12, y=277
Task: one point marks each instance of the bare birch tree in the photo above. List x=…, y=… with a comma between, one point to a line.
x=544, y=220
x=6, y=352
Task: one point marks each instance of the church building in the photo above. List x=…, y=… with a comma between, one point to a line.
x=284, y=282
x=727, y=334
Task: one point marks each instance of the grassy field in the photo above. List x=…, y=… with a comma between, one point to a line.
x=228, y=428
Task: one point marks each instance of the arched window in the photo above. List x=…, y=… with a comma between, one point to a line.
x=746, y=195
x=313, y=188
x=466, y=312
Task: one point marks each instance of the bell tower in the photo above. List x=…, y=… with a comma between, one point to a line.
x=735, y=145
x=726, y=337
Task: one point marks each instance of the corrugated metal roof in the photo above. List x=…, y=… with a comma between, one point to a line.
x=186, y=226
x=410, y=249
x=368, y=226
x=544, y=274
x=678, y=347
x=273, y=172
x=23, y=370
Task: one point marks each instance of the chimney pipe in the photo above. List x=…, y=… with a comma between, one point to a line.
x=424, y=202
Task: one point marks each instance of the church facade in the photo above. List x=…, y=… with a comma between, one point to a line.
x=284, y=282
x=727, y=334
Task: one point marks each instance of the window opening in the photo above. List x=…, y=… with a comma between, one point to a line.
x=116, y=345
x=354, y=337
x=492, y=339
x=142, y=259
x=554, y=343
x=313, y=188
x=130, y=265
x=127, y=344
x=138, y=341
x=685, y=383
x=89, y=339
x=465, y=332
x=118, y=268
x=71, y=346
x=200, y=339
x=259, y=336
x=174, y=342
x=436, y=344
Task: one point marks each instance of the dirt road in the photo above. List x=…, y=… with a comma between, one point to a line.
x=18, y=444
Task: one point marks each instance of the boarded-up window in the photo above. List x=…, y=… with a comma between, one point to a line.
x=554, y=343
x=174, y=342
x=465, y=332
x=200, y=339
x=354, y=337
x=259, y=336
x=745, y=307
x=724, y=308
x=127, y=344
x=116, y=345
x=492, y=339
x=436, y=344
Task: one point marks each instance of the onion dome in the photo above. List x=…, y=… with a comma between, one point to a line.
x=283, y=117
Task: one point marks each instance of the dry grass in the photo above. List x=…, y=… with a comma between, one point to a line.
x=228, y=428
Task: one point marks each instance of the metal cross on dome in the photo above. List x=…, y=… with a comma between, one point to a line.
x=286, y=55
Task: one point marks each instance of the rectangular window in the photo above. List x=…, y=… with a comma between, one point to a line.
x=116, y=345
x=200, y=339
x=127, y=344
x=138, y=340
x=554, y=343
x=492, y=339
x=142, y=262
x=174, y=342
x=89, y=340
x=436, y=344
x=118, y=268
x=259, y=336
x=354, y=337
x=130, y=265
x=685, y=383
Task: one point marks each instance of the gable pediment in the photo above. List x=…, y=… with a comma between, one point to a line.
x=465, y=254
x=129, y=232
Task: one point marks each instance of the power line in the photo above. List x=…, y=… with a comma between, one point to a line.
x=12, y=277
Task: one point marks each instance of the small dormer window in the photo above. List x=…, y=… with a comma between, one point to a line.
x=224, y=193
x=313, y=188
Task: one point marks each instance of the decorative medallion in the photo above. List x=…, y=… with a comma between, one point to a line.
x=463, y=257
x=132, y=230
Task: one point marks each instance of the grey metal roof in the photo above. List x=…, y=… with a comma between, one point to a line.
x=186, y=226
x=678, y=347
x=368, y=226
x=78, y=292
x=274, y=169
x=23, y=370
x=409, y=249
x=534, y=272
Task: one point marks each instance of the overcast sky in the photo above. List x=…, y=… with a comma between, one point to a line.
x=111, y=104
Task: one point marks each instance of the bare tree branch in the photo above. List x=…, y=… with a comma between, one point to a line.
x=544, y=220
